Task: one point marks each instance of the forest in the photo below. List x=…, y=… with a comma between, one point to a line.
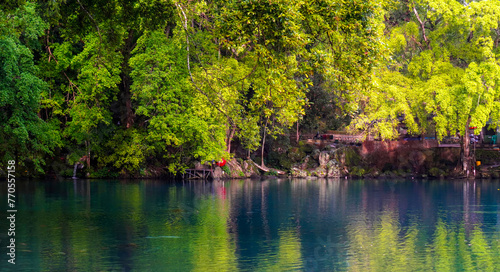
x=128, y=86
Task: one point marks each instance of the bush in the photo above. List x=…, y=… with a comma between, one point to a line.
x=487, y=156
x=239, y=160
x=295, y=154
x=357, y=171
x=278, y=160
x=103, y=173
x=307, y=149
x=400, y=172
x=436, y=172
x=66, y=173
x=226, y=169
x=271, y=172
x=352, y=157
x=127, y=151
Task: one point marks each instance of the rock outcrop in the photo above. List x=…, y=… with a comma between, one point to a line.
x=235, y=169
x=249, y=169
x=319, y=172
x=218, y=173
x=333, y=169
x=323, y=158
x=319, y=164
x=298, y=173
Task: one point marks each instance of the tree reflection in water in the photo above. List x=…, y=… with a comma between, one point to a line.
x=249, y=225
x=463, y=245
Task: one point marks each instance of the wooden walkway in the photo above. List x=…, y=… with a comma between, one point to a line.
x=198, y=174
x=340, y=138
x=495, y=147
x=449, y=145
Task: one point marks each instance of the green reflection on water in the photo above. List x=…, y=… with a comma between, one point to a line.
x=387, y=247
x=153, y=226
x=185, y=238
x=286, y=256
x=211, y=244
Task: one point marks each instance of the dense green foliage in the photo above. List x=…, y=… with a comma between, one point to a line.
x=131, y=84
x=442, y=69
x=25, y=136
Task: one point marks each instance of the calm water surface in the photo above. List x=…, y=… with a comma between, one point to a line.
x=248, y=225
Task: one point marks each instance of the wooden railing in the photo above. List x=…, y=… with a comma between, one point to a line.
x=198, y=174
x=343, y=138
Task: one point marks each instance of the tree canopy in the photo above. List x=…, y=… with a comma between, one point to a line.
x=442, y=69
x=127, y=84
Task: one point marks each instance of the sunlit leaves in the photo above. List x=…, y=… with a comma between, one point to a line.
x=129, y=150
x=450, y=64
x=179, y=121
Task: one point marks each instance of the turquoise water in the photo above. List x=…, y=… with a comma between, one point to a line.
x=248, y=225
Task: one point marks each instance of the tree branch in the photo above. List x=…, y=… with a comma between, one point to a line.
x=189, y=66
x=421, y=24
x=96, y=25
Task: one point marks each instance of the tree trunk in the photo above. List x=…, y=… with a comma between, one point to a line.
x=87, y=159
x=128, y=112
x=465, y=151
x=297, y=131
x=262, y=149
x=263, y=144
x=230, y=138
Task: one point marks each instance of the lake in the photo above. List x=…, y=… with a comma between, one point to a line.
x=254, y=225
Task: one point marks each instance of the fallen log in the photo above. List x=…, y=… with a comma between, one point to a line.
x=266, y=169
